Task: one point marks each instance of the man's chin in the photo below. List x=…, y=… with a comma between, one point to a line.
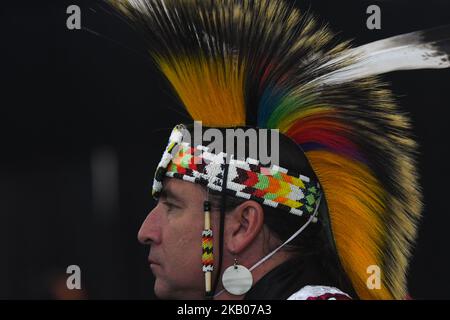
x=164, y=292
x=161, y=290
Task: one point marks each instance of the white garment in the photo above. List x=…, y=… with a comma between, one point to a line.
x=313, y=292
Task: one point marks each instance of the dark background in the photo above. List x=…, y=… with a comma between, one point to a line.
x=83, y=122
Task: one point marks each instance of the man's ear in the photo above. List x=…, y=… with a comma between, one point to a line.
x=245, y=223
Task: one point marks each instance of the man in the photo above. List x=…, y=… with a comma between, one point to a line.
x=337, y=216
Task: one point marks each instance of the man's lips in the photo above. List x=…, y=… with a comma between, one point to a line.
x=154, y=265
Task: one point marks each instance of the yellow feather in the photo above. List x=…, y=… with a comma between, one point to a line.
x=355, y=200
x=211, y=91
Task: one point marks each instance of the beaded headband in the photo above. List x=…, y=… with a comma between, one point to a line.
x=271, y=186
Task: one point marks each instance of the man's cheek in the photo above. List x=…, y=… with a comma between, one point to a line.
x=187, y=241
x=189, y=232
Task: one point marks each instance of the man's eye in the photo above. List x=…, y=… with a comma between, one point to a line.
x=170, y=206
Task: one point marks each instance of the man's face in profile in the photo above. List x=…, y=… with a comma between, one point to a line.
x=173, y=231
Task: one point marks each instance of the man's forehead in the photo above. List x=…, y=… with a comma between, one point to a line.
x=180, y=188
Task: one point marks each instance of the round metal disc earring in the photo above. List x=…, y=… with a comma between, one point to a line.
x=237, y=279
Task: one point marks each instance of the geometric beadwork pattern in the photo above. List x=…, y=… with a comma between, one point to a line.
x=207, y=251
x=271, y=186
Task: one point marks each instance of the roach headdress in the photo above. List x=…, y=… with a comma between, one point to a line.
x=266, y=64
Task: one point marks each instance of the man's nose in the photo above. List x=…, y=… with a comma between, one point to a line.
x=149, y=232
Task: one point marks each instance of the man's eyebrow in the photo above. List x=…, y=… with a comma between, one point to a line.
x=169, y=194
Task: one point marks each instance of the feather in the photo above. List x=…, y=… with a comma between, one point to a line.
x=425, y=49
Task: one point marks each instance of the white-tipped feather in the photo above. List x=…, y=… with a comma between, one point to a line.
x=429, y=49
